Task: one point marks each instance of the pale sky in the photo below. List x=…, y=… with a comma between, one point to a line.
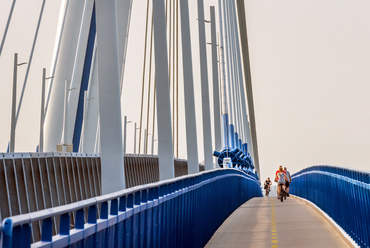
x=310, y=65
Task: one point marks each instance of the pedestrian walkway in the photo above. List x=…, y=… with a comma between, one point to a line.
x=267, y=222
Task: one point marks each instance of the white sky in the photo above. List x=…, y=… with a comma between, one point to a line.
x=310, y=63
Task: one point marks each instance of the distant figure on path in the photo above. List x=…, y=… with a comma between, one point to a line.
x=288, y=181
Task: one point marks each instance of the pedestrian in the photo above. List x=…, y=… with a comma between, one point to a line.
x=289, y=180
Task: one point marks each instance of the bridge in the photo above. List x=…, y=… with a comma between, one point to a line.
x=72, y=174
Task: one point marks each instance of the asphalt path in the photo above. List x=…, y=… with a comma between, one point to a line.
x=267, y=222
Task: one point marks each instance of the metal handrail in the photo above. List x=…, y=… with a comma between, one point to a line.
x=141, y=198
x=342, y=193
x=51, y=212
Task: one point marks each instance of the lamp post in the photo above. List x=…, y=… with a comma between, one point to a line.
x=14, y=99
x=125, y=122
x=65, y=126
x=153, y=143
x=42, y=112
x=146, y=135
x=84, y=118
x=135, y=129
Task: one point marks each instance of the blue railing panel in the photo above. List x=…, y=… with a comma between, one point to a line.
x=181, y=212
x=343, y=194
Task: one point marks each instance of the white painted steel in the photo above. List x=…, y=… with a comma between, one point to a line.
x=191, y=129
x=207, y=131
x=247, y=135
x=14, y=102
x=236, y=92
x=124, y=133
x=58, y=39
x=236, y=61
x=123, y=14
x=165, y=149
x=62, y=178
x=29, y=61
x=7, y=26
x=216, y=90
x=113, y=174
x=145, y=141
x=248, y=80
x=65, y=118
x=62, y=66
x=135, y=138
x=56, y=181
x=78, y=63
x=228, y=75
x=42, y=112
x=152, y=144
x=222, y=64
x=89, y=138
x=17, y=186
x=84, y=124
x=7, y=188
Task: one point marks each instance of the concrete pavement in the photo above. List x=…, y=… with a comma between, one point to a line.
x=267, y=222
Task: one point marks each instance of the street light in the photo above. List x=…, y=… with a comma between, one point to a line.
x=153, y=143
x=42, y=114
x=65, y=127
x=14, y=99
x=84, y=131
x=135, y=128
x=124, y=132
x=146, y=141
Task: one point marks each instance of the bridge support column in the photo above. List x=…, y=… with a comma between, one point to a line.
x=165, y=149
x=113, y=177
x=207, y=136
x=248, y=79
x=191, y=129
x=216, y=96
x=67, y=64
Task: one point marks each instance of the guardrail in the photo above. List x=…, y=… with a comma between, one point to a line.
x=343, y=194
x=32, y=182
x=181, y=212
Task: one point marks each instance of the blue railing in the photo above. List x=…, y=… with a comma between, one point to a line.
x=181, y=212
x=343, y=194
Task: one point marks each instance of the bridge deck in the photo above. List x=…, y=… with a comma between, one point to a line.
x=266, y=222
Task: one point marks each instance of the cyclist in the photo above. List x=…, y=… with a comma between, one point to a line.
x=289, y=180
x=267, y=186
x=280, y=178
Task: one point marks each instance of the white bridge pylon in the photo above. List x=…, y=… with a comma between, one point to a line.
x=190, y=95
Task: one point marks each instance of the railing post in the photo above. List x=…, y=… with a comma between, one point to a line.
x=143, y=219
x=136, y=220
x=103, y=213
x=80, y=219
x=129, y=220
x=114, y=207
x=47, y=230
x=7, y=233
x=156, y=232
x=64, y=224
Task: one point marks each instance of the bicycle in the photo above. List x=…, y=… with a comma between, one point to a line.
x=282, y=194
x=267, y=191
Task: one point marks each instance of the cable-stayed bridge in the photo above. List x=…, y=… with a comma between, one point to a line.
x=81, y=187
